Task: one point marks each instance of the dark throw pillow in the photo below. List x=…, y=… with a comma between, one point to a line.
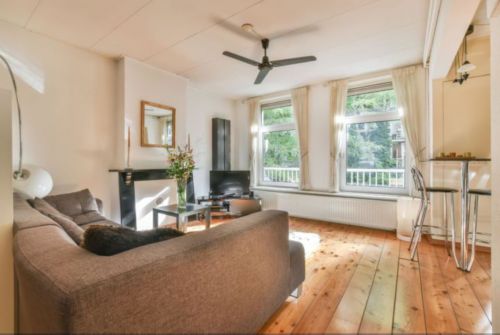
x=107, y=240
x=70, y=227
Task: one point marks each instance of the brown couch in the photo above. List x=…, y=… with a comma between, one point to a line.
x=229, y=279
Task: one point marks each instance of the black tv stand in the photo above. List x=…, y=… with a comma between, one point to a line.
x=220, y=203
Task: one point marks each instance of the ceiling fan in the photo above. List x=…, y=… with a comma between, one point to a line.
x=266, y=65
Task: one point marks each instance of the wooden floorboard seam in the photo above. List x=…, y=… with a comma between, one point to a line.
x=360, y=271
x=373, y=281
x=305, y=316
x=467, y=278
x=421, y=291
x=448, y=295
x=396, y=289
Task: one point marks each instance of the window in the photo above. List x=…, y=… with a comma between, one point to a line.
x=375, y=143
x=278, y=145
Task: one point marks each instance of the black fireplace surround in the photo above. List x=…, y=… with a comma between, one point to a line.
x=126, y=189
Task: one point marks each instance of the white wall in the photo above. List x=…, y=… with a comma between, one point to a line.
x=68, y=100
x=461, y=123
x=202, y=107
x=319, y=150
x=6, y=262
x=140, y=81
x=194, y=111
x=495, y=168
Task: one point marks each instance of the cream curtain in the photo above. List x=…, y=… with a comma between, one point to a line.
x=300, y=104
x=409, y=86
x=253, y=121
x=338, y=99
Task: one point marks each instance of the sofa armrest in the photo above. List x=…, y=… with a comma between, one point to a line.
x=230, y=278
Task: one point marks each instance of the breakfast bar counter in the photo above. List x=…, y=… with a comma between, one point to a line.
x=464, y=261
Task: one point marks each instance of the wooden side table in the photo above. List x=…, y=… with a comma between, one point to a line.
x=182, y=214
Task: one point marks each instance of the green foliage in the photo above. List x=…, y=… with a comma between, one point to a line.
x=369, y=145
x=281, y=149
x=277, y=115
x=368, y=103
x=181, y=163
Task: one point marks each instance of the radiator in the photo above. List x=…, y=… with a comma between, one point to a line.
x=380, y=214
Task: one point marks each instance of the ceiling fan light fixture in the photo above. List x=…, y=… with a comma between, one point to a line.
x=248, y=27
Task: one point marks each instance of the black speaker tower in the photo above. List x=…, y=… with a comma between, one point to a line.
x=221, y=144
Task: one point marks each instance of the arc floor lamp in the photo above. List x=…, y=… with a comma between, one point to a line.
x=29, y=181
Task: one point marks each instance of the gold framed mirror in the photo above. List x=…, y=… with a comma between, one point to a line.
x=157, y=125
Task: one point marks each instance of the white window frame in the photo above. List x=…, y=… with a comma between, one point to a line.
x=367, y=118
x=277, y=102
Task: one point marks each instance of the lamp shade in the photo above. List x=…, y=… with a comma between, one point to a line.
x=466, y=67
x=34, y=182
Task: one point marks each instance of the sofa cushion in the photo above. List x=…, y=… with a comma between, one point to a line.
x=88, y=217
x=45, y=208
x=73, y=204
x=26, y=216
x=70, y=227
x=109, y=240
x=104, y=222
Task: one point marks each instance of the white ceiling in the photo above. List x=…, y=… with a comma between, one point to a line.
x=187, y=37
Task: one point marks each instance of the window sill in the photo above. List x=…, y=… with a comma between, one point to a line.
x=365, y=196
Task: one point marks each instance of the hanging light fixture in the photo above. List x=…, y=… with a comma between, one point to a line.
x=459, y=78
x=466, y=67
x=29, y=181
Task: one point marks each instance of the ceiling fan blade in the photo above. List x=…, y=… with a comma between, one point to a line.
x=292, y=33
x=241, y=58
x=262, y=74
x=291, y=61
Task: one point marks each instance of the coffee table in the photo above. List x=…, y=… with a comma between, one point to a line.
x=182, y=214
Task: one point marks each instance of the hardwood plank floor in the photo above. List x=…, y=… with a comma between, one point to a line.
x=379, y=311
x=362, y=281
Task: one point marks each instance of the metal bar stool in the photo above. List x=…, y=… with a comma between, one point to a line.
x=476, y=193
x=419, y=226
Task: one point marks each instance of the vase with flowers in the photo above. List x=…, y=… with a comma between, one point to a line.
x=181, y=166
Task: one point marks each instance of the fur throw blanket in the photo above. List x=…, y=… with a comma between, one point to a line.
x=109, y=240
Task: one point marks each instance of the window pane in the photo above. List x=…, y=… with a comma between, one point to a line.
x=277, y=115
x=369, y=103
x=375, y=154
x=280, y=157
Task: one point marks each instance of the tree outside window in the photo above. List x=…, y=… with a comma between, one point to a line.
x=375, y=144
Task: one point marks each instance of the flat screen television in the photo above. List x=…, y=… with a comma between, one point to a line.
x=229, y=183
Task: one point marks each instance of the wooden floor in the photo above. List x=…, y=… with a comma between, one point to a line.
x=362, y=281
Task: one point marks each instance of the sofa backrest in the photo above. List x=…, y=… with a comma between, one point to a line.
x=26, y=216
x=230, y=278
x=75, y=203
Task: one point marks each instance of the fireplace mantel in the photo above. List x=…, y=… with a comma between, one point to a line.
x=126, y=190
